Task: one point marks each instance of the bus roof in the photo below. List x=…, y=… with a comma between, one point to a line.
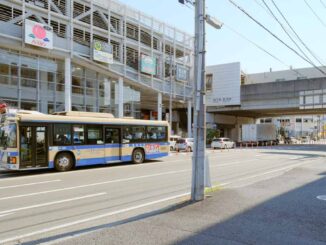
x=93, y=118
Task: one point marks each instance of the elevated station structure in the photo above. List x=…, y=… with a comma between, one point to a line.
x=92, y=55
x=236, y=98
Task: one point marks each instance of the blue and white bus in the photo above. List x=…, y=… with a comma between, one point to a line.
x=32, y=140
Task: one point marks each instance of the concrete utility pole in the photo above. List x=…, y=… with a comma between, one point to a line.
x=198, y=159
x=171, y=91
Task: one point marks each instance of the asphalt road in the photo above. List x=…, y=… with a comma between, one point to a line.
x=47, y=205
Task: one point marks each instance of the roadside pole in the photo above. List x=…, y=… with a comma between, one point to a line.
x=171, y=91
x=198, y=159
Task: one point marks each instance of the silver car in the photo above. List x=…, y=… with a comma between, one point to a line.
x=222, y=143
x=185, y=144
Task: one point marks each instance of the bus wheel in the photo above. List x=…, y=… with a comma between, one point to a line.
x=138, y=156
x=63, y=162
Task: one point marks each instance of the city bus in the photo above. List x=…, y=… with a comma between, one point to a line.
x=63, y=141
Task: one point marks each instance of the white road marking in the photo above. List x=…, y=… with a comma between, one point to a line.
x=287, y=168
x=29, y=184
x=94, y=184
x=77, y=222
x=3, y=215
x=52, y=203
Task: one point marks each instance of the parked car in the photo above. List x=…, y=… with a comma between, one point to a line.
x=173, y=141
x=222, y=143
x=305, y=139
x=185, y=144
x=291, y=140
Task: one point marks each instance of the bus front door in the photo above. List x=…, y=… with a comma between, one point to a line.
x=112, y=144
x=33, y=147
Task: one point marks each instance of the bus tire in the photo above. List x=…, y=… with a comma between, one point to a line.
x=64, y=161
x=138, y=156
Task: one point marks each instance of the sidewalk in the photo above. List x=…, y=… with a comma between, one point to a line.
x=282, y=210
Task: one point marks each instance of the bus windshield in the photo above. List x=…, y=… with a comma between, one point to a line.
x=8, y=136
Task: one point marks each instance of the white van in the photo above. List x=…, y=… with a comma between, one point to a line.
x=173, y=141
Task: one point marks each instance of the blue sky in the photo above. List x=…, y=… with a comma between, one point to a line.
x=225, y=46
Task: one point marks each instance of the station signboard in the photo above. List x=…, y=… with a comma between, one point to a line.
x=102, y=52
x=148, y=64
x=226, y=85
x=38, y=34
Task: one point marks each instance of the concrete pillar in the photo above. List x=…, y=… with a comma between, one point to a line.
x=189, y=122
x=120, y=98
x=43, y=92
x=159, y=106
x=68, y=84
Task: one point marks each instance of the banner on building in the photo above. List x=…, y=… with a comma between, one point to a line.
x=148, y=64
x=182, y=73
x=38, y=34
x=102, y=52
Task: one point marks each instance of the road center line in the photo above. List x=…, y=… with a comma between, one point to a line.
x=77, y=222
x=29, y=184
x=51, y=203
x=94, y=184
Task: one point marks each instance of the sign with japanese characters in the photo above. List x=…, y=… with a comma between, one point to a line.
x=225, y=85
x=38, y=34
x=102, y=52
x=148, y=64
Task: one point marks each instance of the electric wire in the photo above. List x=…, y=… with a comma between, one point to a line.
x=262, y=49
x=274, y=35
x=296, y=34
x=315, y=14
x=287, y=33
x=322, y=3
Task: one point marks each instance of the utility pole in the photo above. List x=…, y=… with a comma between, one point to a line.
x=198, y=159
x=171, y=91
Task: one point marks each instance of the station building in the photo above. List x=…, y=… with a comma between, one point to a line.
x=94, y=55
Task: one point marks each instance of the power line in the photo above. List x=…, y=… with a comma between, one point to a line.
x=322, y=3
x=286, y=32
x=296, y=34
x=316, y=15
x=275, y=36
x=262, y=49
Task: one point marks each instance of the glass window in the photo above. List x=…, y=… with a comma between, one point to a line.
x=62, y=134
x=112, y=136
x=156, y=133
x=94, y=135
x=134, y=134
x=79, y=134
x=10, y=135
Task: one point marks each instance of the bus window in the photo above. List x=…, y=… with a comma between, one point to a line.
x=62, y=134
x=156, y=133
x=94, y=135
x=79, y=134
x=112, y=135
x=133, y=134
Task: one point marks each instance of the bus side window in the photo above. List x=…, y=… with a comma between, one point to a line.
x=94, y=135
x=79, y=134
x=62, y=134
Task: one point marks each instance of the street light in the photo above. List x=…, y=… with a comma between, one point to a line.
x=198, y=159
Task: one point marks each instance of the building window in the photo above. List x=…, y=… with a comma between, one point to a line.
x=209, y=82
